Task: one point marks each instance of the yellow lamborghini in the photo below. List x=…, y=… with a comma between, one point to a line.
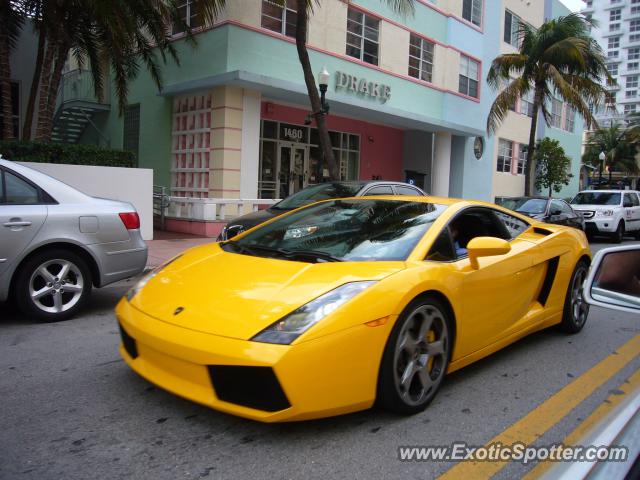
x=348, y=303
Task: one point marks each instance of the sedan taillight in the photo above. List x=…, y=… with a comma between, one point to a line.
x=131, y=220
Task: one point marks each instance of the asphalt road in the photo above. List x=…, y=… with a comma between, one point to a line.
x=71, y=408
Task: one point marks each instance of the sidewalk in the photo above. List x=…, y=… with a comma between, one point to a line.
x=167, y=245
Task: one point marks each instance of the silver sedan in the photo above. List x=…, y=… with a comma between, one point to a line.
x=56, y=243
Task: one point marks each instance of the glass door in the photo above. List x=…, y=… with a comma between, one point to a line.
x=293, y=172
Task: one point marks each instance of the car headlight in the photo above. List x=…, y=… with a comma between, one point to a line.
x=287, y=329
x=145, y=279
x=604, y=213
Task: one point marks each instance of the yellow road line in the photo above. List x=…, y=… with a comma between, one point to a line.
x=631, y=385
x=533, y=425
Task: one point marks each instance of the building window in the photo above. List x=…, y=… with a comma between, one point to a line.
x=362, y=36
x=632, y=81
x=15, y=109
x=131, y=131
x=526, y=103
x=634, y=26
x=635, y=10
x=615, y=15
x=505, y=155
x=522, y=159
x=570, y=119
x=556, y=113
x=613, y=69
x=633, y=66
x=614, y=42
x=634, y=54
x=631, y=108
x=612, y=54
x=614, y=27
x=468, y=78
x=634, y=38
x=511, y=28
x=472, y=11
x=420, y=58
x=631, y=93
x=280, y=17
x=189, y=14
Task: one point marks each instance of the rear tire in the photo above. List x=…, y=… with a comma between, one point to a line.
x=618, y=235
x=53, y=285
x=416, y=357
x=576, y=310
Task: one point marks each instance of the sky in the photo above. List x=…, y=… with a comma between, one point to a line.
x=573, y=5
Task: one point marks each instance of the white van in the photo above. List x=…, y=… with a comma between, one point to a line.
x=609, y=212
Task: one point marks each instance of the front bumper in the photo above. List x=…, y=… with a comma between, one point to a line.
x=331, y=375
x=604, y=225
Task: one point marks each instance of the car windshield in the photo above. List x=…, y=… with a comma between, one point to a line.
x=315, y=193
x=597, y=198
x=525, y=205
x=343, y=230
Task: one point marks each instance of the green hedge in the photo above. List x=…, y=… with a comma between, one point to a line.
x=74, y=154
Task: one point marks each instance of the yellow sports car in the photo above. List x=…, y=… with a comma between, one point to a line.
x=346, y=303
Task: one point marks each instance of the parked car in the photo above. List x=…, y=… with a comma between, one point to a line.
x=315, y=193
x=56, y=242
x=272, y=324
x=544, y=209
x=609, y=212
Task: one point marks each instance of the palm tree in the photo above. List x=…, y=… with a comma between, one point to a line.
x=560, y=59
x=122, y=36
x=617, y=144
x=11, y=20
x=305, y=8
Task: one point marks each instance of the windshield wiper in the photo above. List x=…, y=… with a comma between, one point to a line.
x=311, y=254
x=257, y=250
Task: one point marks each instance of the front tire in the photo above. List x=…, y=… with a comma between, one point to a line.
x=618, y=235
x=416, y=357
x=53, y=285
x=576, y=310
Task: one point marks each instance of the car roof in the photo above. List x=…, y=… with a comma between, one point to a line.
x=609, y=191
x=60, y=191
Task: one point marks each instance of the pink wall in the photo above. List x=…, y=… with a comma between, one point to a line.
x=380, y=147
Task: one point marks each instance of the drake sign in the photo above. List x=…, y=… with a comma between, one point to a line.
x=362, y=86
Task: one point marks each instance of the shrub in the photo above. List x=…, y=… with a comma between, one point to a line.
x=74, y=154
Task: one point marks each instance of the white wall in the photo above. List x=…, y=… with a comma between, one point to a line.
x=133, y=185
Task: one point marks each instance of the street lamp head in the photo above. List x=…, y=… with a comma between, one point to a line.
x=602, y=156
x=323, y=77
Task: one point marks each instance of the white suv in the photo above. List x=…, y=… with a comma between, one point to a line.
x=609, y=212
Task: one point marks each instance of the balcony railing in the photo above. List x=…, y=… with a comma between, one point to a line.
x=77, y=85
x=213, y=209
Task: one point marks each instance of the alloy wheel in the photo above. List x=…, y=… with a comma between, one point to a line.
x=56, y=286
x=421, y=354
x=579, y=308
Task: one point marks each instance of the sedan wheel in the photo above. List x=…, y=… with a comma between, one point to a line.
x=52, y=286
x=576, y=309
x=416, y=358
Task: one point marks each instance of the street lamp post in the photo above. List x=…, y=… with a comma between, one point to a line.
x=602, y=157
x=323, y=84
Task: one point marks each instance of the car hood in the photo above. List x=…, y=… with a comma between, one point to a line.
x=252, y=219
x=237, y=296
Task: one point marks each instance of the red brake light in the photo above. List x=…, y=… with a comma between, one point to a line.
x=131, y=220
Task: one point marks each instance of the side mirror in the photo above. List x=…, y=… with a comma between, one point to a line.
x=556, y=212
x=614, y=279
x=486, y=247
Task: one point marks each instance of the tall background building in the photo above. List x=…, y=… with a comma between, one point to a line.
x=618, y=33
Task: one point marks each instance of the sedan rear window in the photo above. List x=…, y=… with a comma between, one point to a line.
x=596, y=198
x=315, y=193
x=343, y=230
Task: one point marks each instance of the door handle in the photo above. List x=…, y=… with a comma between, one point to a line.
x=16, y=224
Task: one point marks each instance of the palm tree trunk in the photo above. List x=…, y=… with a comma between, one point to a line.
x=56, y=76
x=33, y=92
x=45, y=80
x=5, y=84
x=528, y=173
x=314, y=96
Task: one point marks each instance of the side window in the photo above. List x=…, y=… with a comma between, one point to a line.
x=380, y=190
x=402, y=190
x=636, y=199
x=442, y=249
x=19, y=192
x=630, y=200
x=564, y=206
x=476, y=222
x=514, y=225
x=556, y=206
x=1, y=187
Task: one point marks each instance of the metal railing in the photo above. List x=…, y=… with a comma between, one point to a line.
x=78, y=85
x=160, y=205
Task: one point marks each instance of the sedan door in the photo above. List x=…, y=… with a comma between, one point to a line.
x=22, y=214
